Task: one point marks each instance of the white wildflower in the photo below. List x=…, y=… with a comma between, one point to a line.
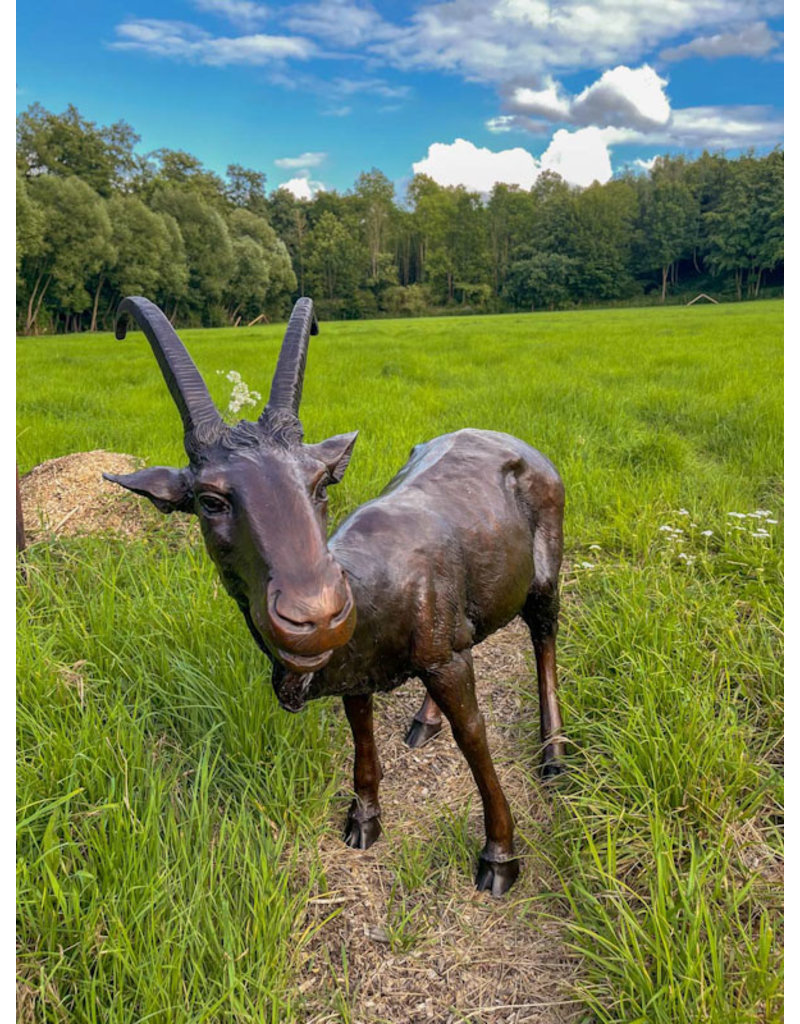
x=706, y=533
x=595, y=547
x=738, y=515
x=241, y=394
x=773, y=521
x=683, y=511
x=587, y=565
x=666, y=528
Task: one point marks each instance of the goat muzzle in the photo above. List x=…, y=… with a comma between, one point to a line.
x=304, y=630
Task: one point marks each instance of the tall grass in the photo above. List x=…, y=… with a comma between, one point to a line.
x=169, y=810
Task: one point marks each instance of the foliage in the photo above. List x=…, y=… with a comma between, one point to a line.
x=713, y=225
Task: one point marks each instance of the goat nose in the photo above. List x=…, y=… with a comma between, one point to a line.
x=324, y=610
x=284, y=610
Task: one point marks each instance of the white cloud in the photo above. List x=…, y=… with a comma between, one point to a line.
x=178, y=40
x=463, y=163
x=291, y=163
x=341, y=22
x=631, y=97
x=581, y=157
x=757, y=40
x=622, y=97
x=377, y=86
x=303, y=187
x=725, y=127
x=504, y=40
x=244, y=13
x=633, y=101
x=502, y=123
x=549, y=102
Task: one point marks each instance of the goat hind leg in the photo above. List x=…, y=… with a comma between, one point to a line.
x=363, y=825
x=426, y=724
x=541, y=615
x=453, y=688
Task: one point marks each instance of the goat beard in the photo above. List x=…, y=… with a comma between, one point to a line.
x=291, y=688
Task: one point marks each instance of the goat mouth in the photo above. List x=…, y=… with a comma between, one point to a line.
x=301, y=663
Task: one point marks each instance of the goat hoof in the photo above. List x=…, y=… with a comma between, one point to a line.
x=420, y=733
x=496, y=877
x=360, y=834
x=552, y=769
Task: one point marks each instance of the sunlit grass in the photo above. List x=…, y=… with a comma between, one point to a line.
x=169, y=810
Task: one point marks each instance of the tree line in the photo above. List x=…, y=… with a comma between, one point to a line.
x=97, y=220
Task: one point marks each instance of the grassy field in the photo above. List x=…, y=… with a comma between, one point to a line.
x=168, y=810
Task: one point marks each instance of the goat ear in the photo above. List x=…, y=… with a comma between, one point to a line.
x=168, y=489
x=335, y=453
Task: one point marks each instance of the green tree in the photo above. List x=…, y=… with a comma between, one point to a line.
x=334, y=260
x=510, y=222
x=552, y=224
x=75, y=246
x=67, y=144
x=289, y=216
x=150, y=259
x=178, y=169
x=603, y=219
x=537, y=279
x=745, y=232
x=669, y=222
x=207, y=243
x=373, y=194
x=30, y=227
x=245, y=188
x=451, y=223
x=262, y=272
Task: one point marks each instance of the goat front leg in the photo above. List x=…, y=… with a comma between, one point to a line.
x=363, y=824
x=453, y=688
x=426, y=724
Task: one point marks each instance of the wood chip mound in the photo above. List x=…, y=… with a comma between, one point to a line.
x=68, y=497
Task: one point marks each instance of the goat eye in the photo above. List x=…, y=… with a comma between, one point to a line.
x=213, y=504
x=321, y=490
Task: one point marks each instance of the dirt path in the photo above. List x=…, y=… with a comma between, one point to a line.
x=444, y=953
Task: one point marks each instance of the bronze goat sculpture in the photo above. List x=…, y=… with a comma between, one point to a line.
x=466, y=536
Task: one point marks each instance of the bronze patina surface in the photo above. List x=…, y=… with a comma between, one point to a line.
x=466, y=536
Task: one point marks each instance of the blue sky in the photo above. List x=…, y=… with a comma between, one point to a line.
x=469, y=91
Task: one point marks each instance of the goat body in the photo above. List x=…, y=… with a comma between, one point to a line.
x=465, y=537
x=443, y=558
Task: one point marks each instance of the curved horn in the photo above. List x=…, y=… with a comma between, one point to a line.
x=202, y=422
x=287, y=384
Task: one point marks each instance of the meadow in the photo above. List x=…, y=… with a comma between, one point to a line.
x=169, y=811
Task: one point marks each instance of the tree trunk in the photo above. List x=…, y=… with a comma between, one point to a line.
x=664, y=283
x=93, y=325
x=738, y=278
x=39, y=302
x=30, y=317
